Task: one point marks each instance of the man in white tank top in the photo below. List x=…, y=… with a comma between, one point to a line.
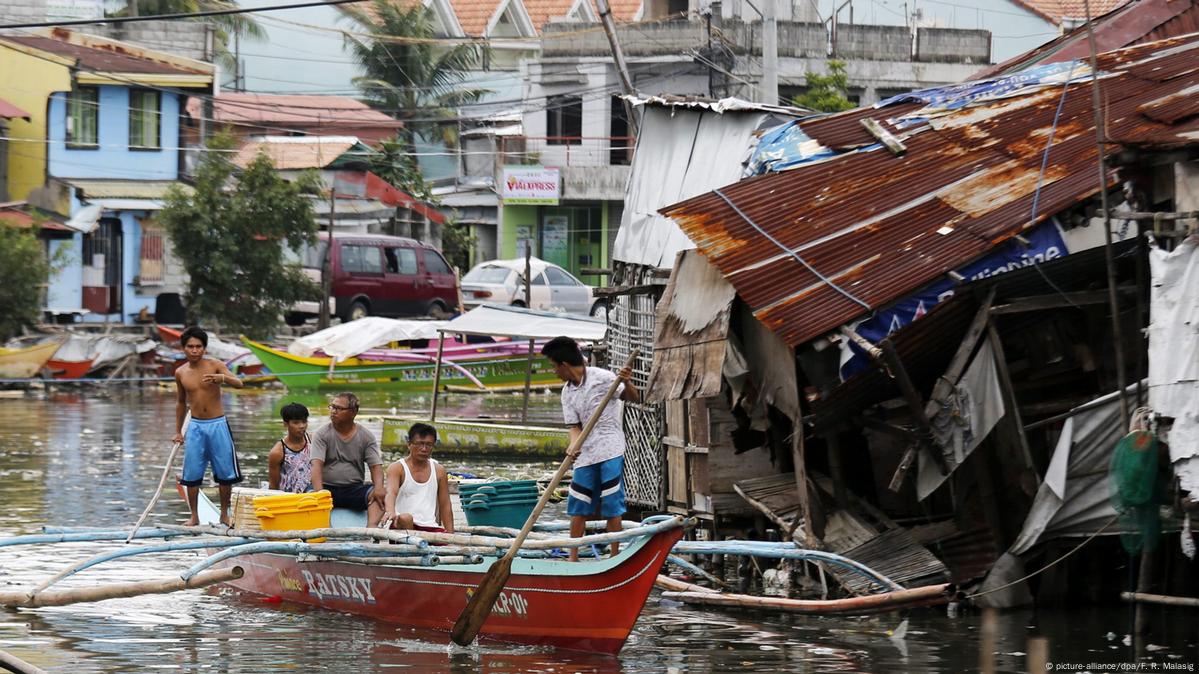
x=418, y=488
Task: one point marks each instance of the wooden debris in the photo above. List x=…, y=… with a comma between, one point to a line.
x=883, y=136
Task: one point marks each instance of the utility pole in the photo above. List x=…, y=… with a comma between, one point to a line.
x=768, y=89
x=622, y=67
x=327, y=265
x=132, y=6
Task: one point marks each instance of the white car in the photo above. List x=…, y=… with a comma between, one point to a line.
x=553, y=288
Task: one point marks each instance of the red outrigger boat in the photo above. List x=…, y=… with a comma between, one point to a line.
x=584, y=606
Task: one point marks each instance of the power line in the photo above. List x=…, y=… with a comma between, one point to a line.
x=180, y=15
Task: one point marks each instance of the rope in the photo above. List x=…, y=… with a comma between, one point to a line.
x=790, y=252
x=1050, y=564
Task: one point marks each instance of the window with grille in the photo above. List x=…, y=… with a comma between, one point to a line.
x=150, y=266
x=564, y=120
x=144, y=117
x=83, y=118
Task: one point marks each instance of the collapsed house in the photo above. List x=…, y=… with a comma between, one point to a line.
x=897, y=333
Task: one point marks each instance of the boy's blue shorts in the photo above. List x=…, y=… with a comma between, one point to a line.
x=597, y=490
x=209, y=441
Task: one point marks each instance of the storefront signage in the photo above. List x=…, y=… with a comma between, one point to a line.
x=531, y=185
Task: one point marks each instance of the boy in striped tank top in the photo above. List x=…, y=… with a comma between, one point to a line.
x=289, y=462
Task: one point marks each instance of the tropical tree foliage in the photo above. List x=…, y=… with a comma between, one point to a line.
x=411, y=75
x=24, y=272
x=827, y=93
x=227, y=26
x=231, y=234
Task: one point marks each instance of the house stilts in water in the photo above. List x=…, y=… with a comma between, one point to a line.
x=898, y=333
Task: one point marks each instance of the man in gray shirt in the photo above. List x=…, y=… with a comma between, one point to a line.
x=339, y=451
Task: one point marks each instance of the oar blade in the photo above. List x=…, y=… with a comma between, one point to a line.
x=471, y=620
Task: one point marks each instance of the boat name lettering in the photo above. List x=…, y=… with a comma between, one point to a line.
x=511, y=603
x=344, y=587
x=288, y=583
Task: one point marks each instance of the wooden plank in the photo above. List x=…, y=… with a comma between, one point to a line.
x=699, y=429
x=1056, y=301
x=677, y=492
x=801, y=485
x=893, y=144
x=697, y=468
x=1013, y=425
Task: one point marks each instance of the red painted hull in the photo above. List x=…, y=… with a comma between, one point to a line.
x=169, y=335
x=591, y=612
x=69, y=369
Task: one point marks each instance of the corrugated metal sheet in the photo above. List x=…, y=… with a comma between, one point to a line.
x=1135, y=22
x=859, y=231
x=107, y=56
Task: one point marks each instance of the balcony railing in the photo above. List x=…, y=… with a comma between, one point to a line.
x=567, y=150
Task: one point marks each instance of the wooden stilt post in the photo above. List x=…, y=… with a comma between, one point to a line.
x=988, y=631
x=801, y=482
x=1038, y=655
x=836, y=468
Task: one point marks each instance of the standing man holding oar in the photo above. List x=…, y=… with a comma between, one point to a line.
x=597, y=484
x=209, y=440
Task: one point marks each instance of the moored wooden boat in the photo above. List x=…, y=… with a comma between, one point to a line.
x=26, y=362
x=479, y=365
x=589, y=606
x=69, y=369
x=462, y=436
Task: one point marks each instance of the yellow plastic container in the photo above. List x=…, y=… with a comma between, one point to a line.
x=294, y=512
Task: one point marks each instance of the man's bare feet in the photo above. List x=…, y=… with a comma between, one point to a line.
x=194, y=521
x=226, y=521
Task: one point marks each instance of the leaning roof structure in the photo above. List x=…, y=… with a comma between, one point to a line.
x=817, y=246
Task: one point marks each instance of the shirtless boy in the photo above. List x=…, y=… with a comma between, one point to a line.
x=198, y=382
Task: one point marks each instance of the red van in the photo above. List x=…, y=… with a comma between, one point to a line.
x=378, y=275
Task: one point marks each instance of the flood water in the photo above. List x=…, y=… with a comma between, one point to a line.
x=92, y=457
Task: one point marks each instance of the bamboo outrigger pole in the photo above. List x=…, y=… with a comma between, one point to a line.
x=24, y=599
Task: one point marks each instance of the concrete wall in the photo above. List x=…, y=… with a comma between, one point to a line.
x=948, y=45
x=113, y=158
x=873, y=43
x=192, y=39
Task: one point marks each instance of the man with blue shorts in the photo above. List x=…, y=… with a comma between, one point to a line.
x=209, y=442
x=597, y=485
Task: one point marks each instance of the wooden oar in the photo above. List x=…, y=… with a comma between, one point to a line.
x=471, y=620
x=166, y=470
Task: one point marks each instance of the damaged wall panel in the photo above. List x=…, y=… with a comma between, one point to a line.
x=691, y=331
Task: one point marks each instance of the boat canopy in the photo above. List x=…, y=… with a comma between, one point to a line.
x=350, y=339
x=500, y=320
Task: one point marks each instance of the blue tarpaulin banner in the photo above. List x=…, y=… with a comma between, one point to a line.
x=1045, y=243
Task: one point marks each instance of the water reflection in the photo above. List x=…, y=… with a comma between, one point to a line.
x=93, y=457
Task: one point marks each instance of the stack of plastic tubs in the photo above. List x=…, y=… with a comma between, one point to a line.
x=499, y=504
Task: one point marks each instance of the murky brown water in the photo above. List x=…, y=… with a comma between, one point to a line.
x=92, y=457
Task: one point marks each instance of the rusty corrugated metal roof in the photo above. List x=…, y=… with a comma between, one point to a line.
x=820, y=245
x=108, y=56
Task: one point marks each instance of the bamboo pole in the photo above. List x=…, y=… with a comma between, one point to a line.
x=1163, y=599
x=85, y=536
x=23, y=599
x=162, y=481
x=130, y=552
x=524, y=409
x=674, y=585
x=437, y=375
x=887, y=601
x=12, y=663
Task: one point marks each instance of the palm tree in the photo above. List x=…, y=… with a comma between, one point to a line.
x=228, y=26
x=408, y=73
